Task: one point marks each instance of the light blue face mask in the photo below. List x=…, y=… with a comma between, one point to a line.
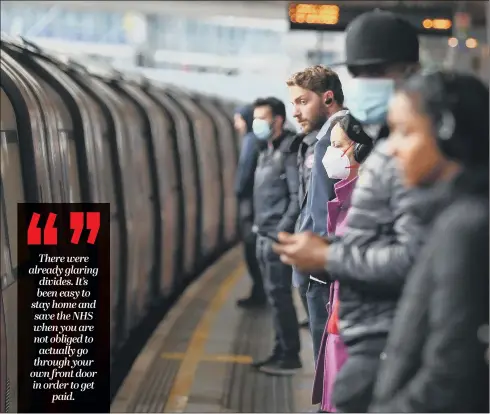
x=262, y=129
x=367, y=99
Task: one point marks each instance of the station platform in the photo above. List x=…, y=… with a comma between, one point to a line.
x=198, y=359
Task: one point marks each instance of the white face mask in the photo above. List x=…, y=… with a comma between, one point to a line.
x=336, y=163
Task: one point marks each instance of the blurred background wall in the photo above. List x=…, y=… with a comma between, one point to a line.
x=240, y=49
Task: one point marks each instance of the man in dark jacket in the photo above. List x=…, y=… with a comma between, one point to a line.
x=435, y=359
x=276, y=209
x=244, y=185
x=382, y=239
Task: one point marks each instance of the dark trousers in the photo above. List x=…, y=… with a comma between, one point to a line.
x=278, y=286
x=317, y=297
x=354, y=384
x=250, y=249
x=302, y=289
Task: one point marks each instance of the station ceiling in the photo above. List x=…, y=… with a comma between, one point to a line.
x=260, y=8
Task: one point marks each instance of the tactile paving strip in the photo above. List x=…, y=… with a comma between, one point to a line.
x=250, y=391
x=154, y=390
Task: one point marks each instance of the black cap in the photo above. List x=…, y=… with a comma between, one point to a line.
x=378, y=37
x=354, y=130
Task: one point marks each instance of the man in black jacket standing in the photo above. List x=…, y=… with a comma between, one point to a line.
x=244, y=186
x=276, y=209
x=382, y=239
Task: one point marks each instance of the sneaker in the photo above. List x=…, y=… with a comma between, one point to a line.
x=252, y=302
x=282, y=367
x=270, y=360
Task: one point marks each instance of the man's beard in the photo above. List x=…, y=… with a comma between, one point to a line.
x=316, y=124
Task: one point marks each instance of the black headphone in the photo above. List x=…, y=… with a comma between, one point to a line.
x=352, y=127
x=442, y=108
x=328, y=101
x=361, y=152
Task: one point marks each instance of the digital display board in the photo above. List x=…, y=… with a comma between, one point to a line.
x=336, y=16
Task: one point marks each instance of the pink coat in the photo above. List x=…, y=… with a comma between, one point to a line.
x=333, y=352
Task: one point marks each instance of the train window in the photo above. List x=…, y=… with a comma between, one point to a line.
x=12, y=187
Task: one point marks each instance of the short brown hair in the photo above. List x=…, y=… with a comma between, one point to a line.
x=318, y=79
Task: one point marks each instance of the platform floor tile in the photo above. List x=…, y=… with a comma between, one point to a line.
x=201, y=363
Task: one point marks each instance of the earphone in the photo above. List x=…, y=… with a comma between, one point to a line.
x=328, y=101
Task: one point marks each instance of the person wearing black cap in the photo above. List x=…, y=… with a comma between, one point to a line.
x=381, y=240
x=434, y=360
x=244, y=185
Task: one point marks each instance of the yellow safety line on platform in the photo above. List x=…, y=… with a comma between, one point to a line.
x=181, y=388
x=235, y=359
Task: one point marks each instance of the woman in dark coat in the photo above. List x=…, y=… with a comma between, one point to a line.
x=435, y=357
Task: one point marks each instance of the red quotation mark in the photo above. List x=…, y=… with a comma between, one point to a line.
x=77, y=225
x=51, y=233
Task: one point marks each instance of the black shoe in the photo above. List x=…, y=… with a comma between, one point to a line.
x=282, y=366
x=305, y=324
x=252, y=302
x=270, y=360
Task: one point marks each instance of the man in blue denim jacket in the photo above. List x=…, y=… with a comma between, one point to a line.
x=317, y=96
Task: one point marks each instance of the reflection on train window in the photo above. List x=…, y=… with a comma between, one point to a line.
x=12, y=189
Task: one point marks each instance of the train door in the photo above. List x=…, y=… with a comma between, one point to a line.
x=30, y=128
x=208, y=173
x=138, y=161
x=229, y=111
x=130, y=306
x=51, y=119
x=186, y=163
x=215, y=133
x=226, y=136
x=11, y=193
x=76, y=129
x=163, y=160
x=111, y=192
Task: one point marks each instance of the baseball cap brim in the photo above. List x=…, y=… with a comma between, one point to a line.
x=363, y=62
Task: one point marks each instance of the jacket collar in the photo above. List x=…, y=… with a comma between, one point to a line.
x=276, y=143
x=332, y=119
x=428, y=202
x=310, y=139
x=300, y=139
x=343, y=188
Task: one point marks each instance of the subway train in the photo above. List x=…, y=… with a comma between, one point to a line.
x=164, y=159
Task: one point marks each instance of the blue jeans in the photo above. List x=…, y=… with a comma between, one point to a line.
x=317, y=296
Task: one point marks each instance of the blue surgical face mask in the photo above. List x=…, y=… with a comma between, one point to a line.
x=262, y=129
x=367, y=99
